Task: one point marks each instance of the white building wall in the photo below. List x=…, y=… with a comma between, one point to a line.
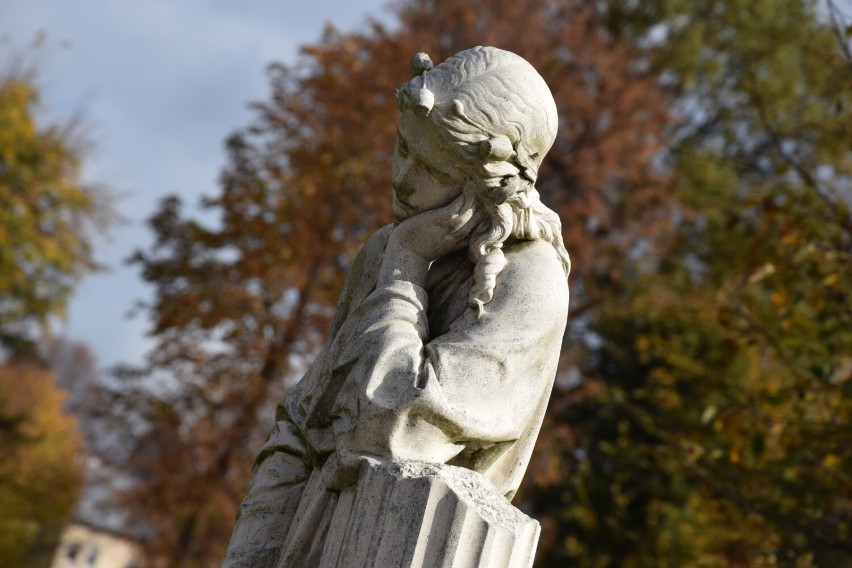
x=85, y=547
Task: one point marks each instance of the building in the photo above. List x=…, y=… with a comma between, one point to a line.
x=84, y=546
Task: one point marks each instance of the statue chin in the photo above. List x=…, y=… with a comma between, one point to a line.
x=401, y=211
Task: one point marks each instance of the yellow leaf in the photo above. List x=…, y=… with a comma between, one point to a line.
x=764, y=271
x=790, y=239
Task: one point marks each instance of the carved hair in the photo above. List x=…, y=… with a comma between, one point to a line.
x=497, y=115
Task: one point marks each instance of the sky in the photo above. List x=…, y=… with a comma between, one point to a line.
x=158, y=85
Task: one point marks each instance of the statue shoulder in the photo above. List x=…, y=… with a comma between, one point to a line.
x=362, y=275
x=537, y=254
x=369, y=258
x=534, y=271
x=375, y=245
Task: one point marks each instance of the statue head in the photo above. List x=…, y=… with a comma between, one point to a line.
x=492, y=109
x=482, y=122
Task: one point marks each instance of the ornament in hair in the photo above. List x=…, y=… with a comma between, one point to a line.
x=424, y=100
x=420, y=62
x=496, y=149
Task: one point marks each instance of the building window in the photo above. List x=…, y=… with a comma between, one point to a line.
x=92, y=557
x=72, y=552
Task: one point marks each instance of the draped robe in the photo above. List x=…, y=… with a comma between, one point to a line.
x=412, y=372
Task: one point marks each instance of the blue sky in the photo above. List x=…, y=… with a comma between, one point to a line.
x=159, y=85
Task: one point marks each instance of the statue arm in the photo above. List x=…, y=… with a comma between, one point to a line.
x=407, y=396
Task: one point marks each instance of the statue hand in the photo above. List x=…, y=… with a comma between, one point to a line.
x=436, y=233
x=426, y=237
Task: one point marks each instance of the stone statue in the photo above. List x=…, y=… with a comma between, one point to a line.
x=405, y=439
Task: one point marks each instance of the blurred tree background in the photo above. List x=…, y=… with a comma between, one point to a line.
x=713, y=428
x=47, y=218
x=46, y=213
x=703, y=173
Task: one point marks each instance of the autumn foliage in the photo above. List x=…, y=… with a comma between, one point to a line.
x=40, y=472
x=241, y=307
x=46, y=214
x=46, y=218
x=702, y=174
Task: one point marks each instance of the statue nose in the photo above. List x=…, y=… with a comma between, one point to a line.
x=400, y=178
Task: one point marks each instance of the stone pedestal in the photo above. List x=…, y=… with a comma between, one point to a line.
x=409, y=514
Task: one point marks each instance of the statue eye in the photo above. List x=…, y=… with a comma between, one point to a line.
x=438, y=175
x=401, y=146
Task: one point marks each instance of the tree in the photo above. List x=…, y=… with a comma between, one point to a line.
x=711, y=428
x=239, y=308
x=46, y=214
x=40, y=474
x=91, y=400
x=702, y=406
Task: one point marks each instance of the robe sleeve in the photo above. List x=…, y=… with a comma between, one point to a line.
x=308, y=403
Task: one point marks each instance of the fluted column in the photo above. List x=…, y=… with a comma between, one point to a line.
x=409, y=514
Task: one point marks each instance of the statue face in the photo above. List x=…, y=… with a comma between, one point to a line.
x=425, y=173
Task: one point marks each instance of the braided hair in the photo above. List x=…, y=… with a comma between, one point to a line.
x=497, y=115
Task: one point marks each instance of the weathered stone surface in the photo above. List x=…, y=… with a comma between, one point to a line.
x=409, y=514
x=405, y=439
